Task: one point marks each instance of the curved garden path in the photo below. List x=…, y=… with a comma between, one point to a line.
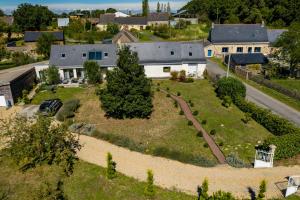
x=185, y=177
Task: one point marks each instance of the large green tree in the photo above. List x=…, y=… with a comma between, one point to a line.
x=92, y=72
x=128, y=91
x=145, y=8
x=29, y=17
x=44, y=44
x=52, y=75
x=289, y=47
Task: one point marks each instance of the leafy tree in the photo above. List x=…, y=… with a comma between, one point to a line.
x=149, y=190
x=128, y=91
x=32, y=17
x=262, y=190
x=158, y=7
x=111, y=167
x=231, y=87
x=145, y=8
x=289, y=47
x=113, y=28
x=52, y=75
x=93, y=72
x=168, y=8
x=33, y=143
x=44, y=44
x=91, y=40
x=1, y=13
x=111, y=10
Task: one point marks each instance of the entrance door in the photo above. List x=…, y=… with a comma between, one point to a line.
x=209, y=53
x=192, y=70
x=2, y=101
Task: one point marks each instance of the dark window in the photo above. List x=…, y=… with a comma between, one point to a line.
x=190, y=53
x=239, y=49
x=63, y=55
x=84, y=55
x=95, y=55
x=105, y=54
x=167, y=69
x=257, y=49
x=249, y=49
x=225, y=50
x=172, y=52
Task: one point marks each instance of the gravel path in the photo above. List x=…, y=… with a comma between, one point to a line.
x=185, y=177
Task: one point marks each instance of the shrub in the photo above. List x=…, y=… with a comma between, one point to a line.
x=176, y=104
x=168, y=95
x=199, y=134
x=157, y=89
x=149, y=190
x=205, y=145
x=262, y=190
x=174, y=75
x=182, y=76
x=190, y=101
x=111, y=167
x=68, y=109
x=213, y=132
x=181, y=112
x=190, y=123
x=192, y=104
x=189, y=80
x=178, y=93
x=221, y=144
x=247, y=118
x=204, y=121
x=230, y=87
x=92, y=71
x=227, y=101
x=167, y=88
x=158, y=84
x=234, y=161
x=195, y=113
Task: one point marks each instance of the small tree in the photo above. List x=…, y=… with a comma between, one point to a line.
x=182, y=76
x=204, y=189
x=247, y=118
x=111, y=167
x=93, y=72
x=112, y=28
x=149, y=190
x=174, y=75
x=231, y=87
x=262, y=190
x=227, y=101
x=44, y=44
x=52, y=75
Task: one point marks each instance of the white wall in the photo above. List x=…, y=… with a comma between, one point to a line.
x=39, y=68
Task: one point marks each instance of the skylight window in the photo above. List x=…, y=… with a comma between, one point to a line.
x=172, y=53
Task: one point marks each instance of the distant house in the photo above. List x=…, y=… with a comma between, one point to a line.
x=120, y=14
x=63, y=22
x=185, y=16
x=9, y=20
x=126, y=23
x=158, y=59
x=31, y=38
x=237, y=38
x=155, y=19
x=124, y=37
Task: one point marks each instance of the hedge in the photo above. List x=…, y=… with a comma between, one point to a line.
x=68, y=109
x=287, y=145
x=273, y=123
x=277, y=87
x=230, y=87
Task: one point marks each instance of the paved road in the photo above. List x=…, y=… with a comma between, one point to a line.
x=184, y=177
x=261, y=98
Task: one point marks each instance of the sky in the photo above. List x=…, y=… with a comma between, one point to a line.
x=91, y=4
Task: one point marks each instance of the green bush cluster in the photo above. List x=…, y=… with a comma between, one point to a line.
x=230, y=87
x=68, y=109
x=124, y=141
x=234, y=161
x=275, y=124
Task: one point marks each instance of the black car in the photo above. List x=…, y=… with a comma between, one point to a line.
x=50, y=107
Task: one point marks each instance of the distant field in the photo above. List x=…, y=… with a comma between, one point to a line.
x=289, y=84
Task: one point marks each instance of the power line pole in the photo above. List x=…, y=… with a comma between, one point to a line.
x=228, y=65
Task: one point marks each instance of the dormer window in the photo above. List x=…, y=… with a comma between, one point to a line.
x=190, y=54
x=105, y=54
x=172, y=53
x=84, y=55
x=63, y=55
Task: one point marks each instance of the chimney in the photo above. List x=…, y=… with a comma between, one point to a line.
x=263, y=23
x=212, y=25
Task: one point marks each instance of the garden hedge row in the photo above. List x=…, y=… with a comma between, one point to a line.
x=68, y=109
x=275, y=124
x=277, y=87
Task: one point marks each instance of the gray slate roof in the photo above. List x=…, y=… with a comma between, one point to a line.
x=247, y=58
x=33, y=36
x=160, y=52
x=107, y=18
x=274, y=34
x=74, y=54
x=230, y=33
x=163, y=16
x=110, y=18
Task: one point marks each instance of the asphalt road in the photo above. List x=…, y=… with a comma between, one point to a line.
x=260, y=98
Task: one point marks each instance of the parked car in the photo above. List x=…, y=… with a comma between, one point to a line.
x=50, y=107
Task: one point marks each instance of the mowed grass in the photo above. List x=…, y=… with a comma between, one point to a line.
x=61, y=93
x=290, y=84
x=88, y=182
x=165, y=128
x=237, y=137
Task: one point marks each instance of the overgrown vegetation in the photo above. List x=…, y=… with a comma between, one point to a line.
x=68, y=109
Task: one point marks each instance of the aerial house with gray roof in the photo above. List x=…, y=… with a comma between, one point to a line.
x=237, y=38
x=158, y=59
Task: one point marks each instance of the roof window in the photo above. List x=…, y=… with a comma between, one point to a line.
x=172, y=53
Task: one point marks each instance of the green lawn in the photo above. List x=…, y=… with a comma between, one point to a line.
x=192, y=32
x=87, y=182
x=291, y=84
x=61, y=93
x=237, y=137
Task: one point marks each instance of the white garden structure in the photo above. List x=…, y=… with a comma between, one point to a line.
x=293, y=185
x=264, y=159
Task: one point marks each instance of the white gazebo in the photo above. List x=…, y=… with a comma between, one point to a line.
x=293, y=185
x=264, y=159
